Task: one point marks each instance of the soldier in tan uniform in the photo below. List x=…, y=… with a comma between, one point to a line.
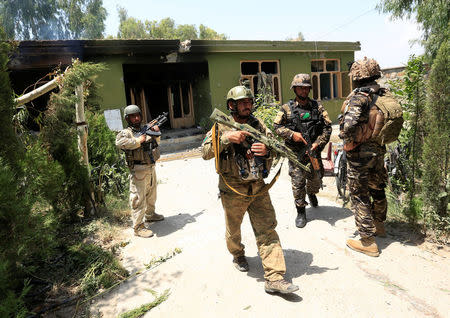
x=241, y=189
x=367, y=176
x=306, y=128
x=141, y=153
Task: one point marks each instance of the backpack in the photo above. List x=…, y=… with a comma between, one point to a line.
x=392, y=119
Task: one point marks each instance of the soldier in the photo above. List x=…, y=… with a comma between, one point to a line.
x=367, y=176
x=305, y=126
x=242, y=189
x=141, y=154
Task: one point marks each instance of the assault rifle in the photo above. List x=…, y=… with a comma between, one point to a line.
x=311, y=154
x=147, y=129
x=270, y=142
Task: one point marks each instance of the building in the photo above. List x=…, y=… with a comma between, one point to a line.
x=189, y=79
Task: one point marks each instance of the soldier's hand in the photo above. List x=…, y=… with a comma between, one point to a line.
x=259, y=149
x=314, y=146
x=297, y=137
x=155, y=128
x=142, y=138
x=236, y=136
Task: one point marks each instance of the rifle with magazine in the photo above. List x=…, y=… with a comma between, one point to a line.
x=147, y=128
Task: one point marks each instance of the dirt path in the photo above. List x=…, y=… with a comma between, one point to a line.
x=405, y=281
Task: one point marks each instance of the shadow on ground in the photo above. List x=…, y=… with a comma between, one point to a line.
x=330, y=214
x=173, y=223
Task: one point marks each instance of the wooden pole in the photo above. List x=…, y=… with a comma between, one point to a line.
x=82, y=128
x=81, y=125
x=37, y=92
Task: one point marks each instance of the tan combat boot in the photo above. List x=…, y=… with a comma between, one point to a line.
x=367, y=246
x=280, y=286
x=141, y=231
x=153, y=217
x=380, y=231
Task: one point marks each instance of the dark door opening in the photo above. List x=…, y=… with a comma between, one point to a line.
x=158, y=88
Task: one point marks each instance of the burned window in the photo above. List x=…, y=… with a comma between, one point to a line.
x=249, y=68
x=253, y=71
x=326, y=79
x=269, y=67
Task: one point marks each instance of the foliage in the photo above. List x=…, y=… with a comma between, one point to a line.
x=132, y=28
x=436, y=148
x=266, y=108
x=95, y=267
x=139, y=312
x=109, y=173
x=411, y=91
x=59, y=137
x=11, y=150
x=432, y=15
x=27, y=234
x=52, y=19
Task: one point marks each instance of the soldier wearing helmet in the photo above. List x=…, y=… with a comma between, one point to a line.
x=242, y=189
x=366, y=174
x=305, y=126
x=141, y=152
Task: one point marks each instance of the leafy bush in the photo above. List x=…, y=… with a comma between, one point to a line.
x=436, y=149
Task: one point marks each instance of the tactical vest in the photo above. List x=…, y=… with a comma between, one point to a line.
x=243, y=162
x=306, y=121
x=146, y=154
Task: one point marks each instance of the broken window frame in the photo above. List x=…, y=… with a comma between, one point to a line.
x=315, y=80
x=276, y=82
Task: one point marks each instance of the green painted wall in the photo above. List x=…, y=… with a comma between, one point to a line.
x=224, y=73
x=112, y=87
x=224, y=70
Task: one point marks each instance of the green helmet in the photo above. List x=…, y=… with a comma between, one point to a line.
x=131, y=109
x=239, y=92
x=301, y=80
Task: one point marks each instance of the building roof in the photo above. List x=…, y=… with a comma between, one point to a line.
x=37, y=54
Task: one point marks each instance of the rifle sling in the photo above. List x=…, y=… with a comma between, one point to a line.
x=215, y=143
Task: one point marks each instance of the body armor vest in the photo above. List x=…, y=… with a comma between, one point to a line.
x=306, y=121
x=146, y=154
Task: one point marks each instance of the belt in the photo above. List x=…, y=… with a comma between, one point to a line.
x=138, y=162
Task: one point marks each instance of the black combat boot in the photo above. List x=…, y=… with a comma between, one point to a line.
x=313, y=200
x=300, y=220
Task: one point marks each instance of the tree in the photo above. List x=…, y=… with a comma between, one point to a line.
x=436, y=148
x=52, y=19
x=209, y=34
x=132, y=28
x=432, y=15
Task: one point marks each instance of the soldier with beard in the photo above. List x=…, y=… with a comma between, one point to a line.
x=305, y=126
x=242, y=189
x=141, y=153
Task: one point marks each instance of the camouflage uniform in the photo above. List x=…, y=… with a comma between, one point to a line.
x=303, y=182
x=142, y=174
x=260, y=208
x=367, y=176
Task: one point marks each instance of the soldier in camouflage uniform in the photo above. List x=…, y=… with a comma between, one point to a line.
x=240, y=183
x=297, y=122
x=367, y=176
x=141, y=154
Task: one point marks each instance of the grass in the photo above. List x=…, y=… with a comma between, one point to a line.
x=140, y=311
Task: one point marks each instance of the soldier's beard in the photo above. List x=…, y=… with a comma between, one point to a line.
x=301, y=97
x=136, y=125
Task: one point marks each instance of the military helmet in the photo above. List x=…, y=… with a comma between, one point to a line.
x=131, y=109
x=301, y=80
x=365, y=68
x=239, y=92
